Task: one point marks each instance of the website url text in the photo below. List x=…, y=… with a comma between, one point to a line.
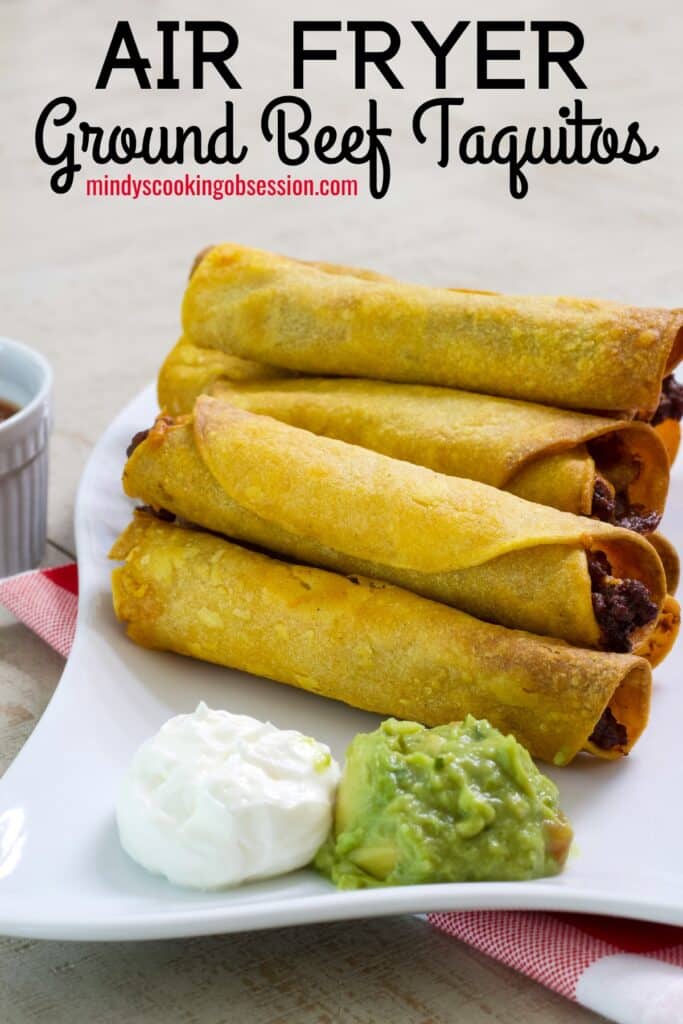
x=219, y=188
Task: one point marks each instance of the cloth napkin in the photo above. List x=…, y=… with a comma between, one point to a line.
x=630, y=971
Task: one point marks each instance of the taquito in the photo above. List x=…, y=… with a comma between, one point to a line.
x=616, y=470
x=575, y=353
x=371, y=645
x=343, y=507
x=189, y=371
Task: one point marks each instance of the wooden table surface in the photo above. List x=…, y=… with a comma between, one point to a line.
x=95, y=284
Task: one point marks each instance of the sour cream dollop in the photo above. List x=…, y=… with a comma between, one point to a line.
x=215, y=799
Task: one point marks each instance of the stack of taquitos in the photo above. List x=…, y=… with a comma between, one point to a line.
x=332, y=485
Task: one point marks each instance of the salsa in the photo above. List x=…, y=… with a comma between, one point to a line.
x=7, y=409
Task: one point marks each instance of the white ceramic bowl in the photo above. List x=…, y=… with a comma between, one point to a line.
x=26, y=381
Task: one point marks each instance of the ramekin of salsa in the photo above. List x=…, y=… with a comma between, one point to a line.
x=25, y=421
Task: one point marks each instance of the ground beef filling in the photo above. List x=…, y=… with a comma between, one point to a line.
x=604, y=505
x=136, y=441
x=159, y=513
x=671, y=402
x=608, y=733
x=634, y=517
x=620, y=606
x=617, y=510
x=610, y=503
x=142, y=435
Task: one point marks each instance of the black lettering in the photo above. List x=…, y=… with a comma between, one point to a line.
x=608, y=140
x=443, y=105
x=123, y=38
x=635, y=150
x=62, y=180
x=440, y=50
x=517, y=181
x=325, y=140
x=95, y=133
x=219, y=58
x=564, y=58
x=484, y=55
x=579, y=122
x=477, y=155
x=168, y=79
x=349, y=144
x=380, y=58
x=281, y=134
x=230, y=154
x=581, y=140
x=299, y=52
x=376, y=154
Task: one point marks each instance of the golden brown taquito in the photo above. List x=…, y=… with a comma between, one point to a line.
x=347, y=508
x=615, y=469
x=371, y=645
x=574, y=353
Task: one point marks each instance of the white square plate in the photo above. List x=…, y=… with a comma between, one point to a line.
x=63, y=874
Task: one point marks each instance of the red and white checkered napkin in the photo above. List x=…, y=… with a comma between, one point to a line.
x=630, y=971
x=46, y=601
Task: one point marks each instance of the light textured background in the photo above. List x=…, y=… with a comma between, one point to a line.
x=96, y=285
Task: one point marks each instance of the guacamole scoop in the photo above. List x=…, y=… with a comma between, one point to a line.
x=457, y=803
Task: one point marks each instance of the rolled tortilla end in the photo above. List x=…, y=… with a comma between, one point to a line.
x=658, y=643
x=669, y=432
x=676, y=351
x=564, y=480
x=669, y=559
x=198, y=259
x=371, y=645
